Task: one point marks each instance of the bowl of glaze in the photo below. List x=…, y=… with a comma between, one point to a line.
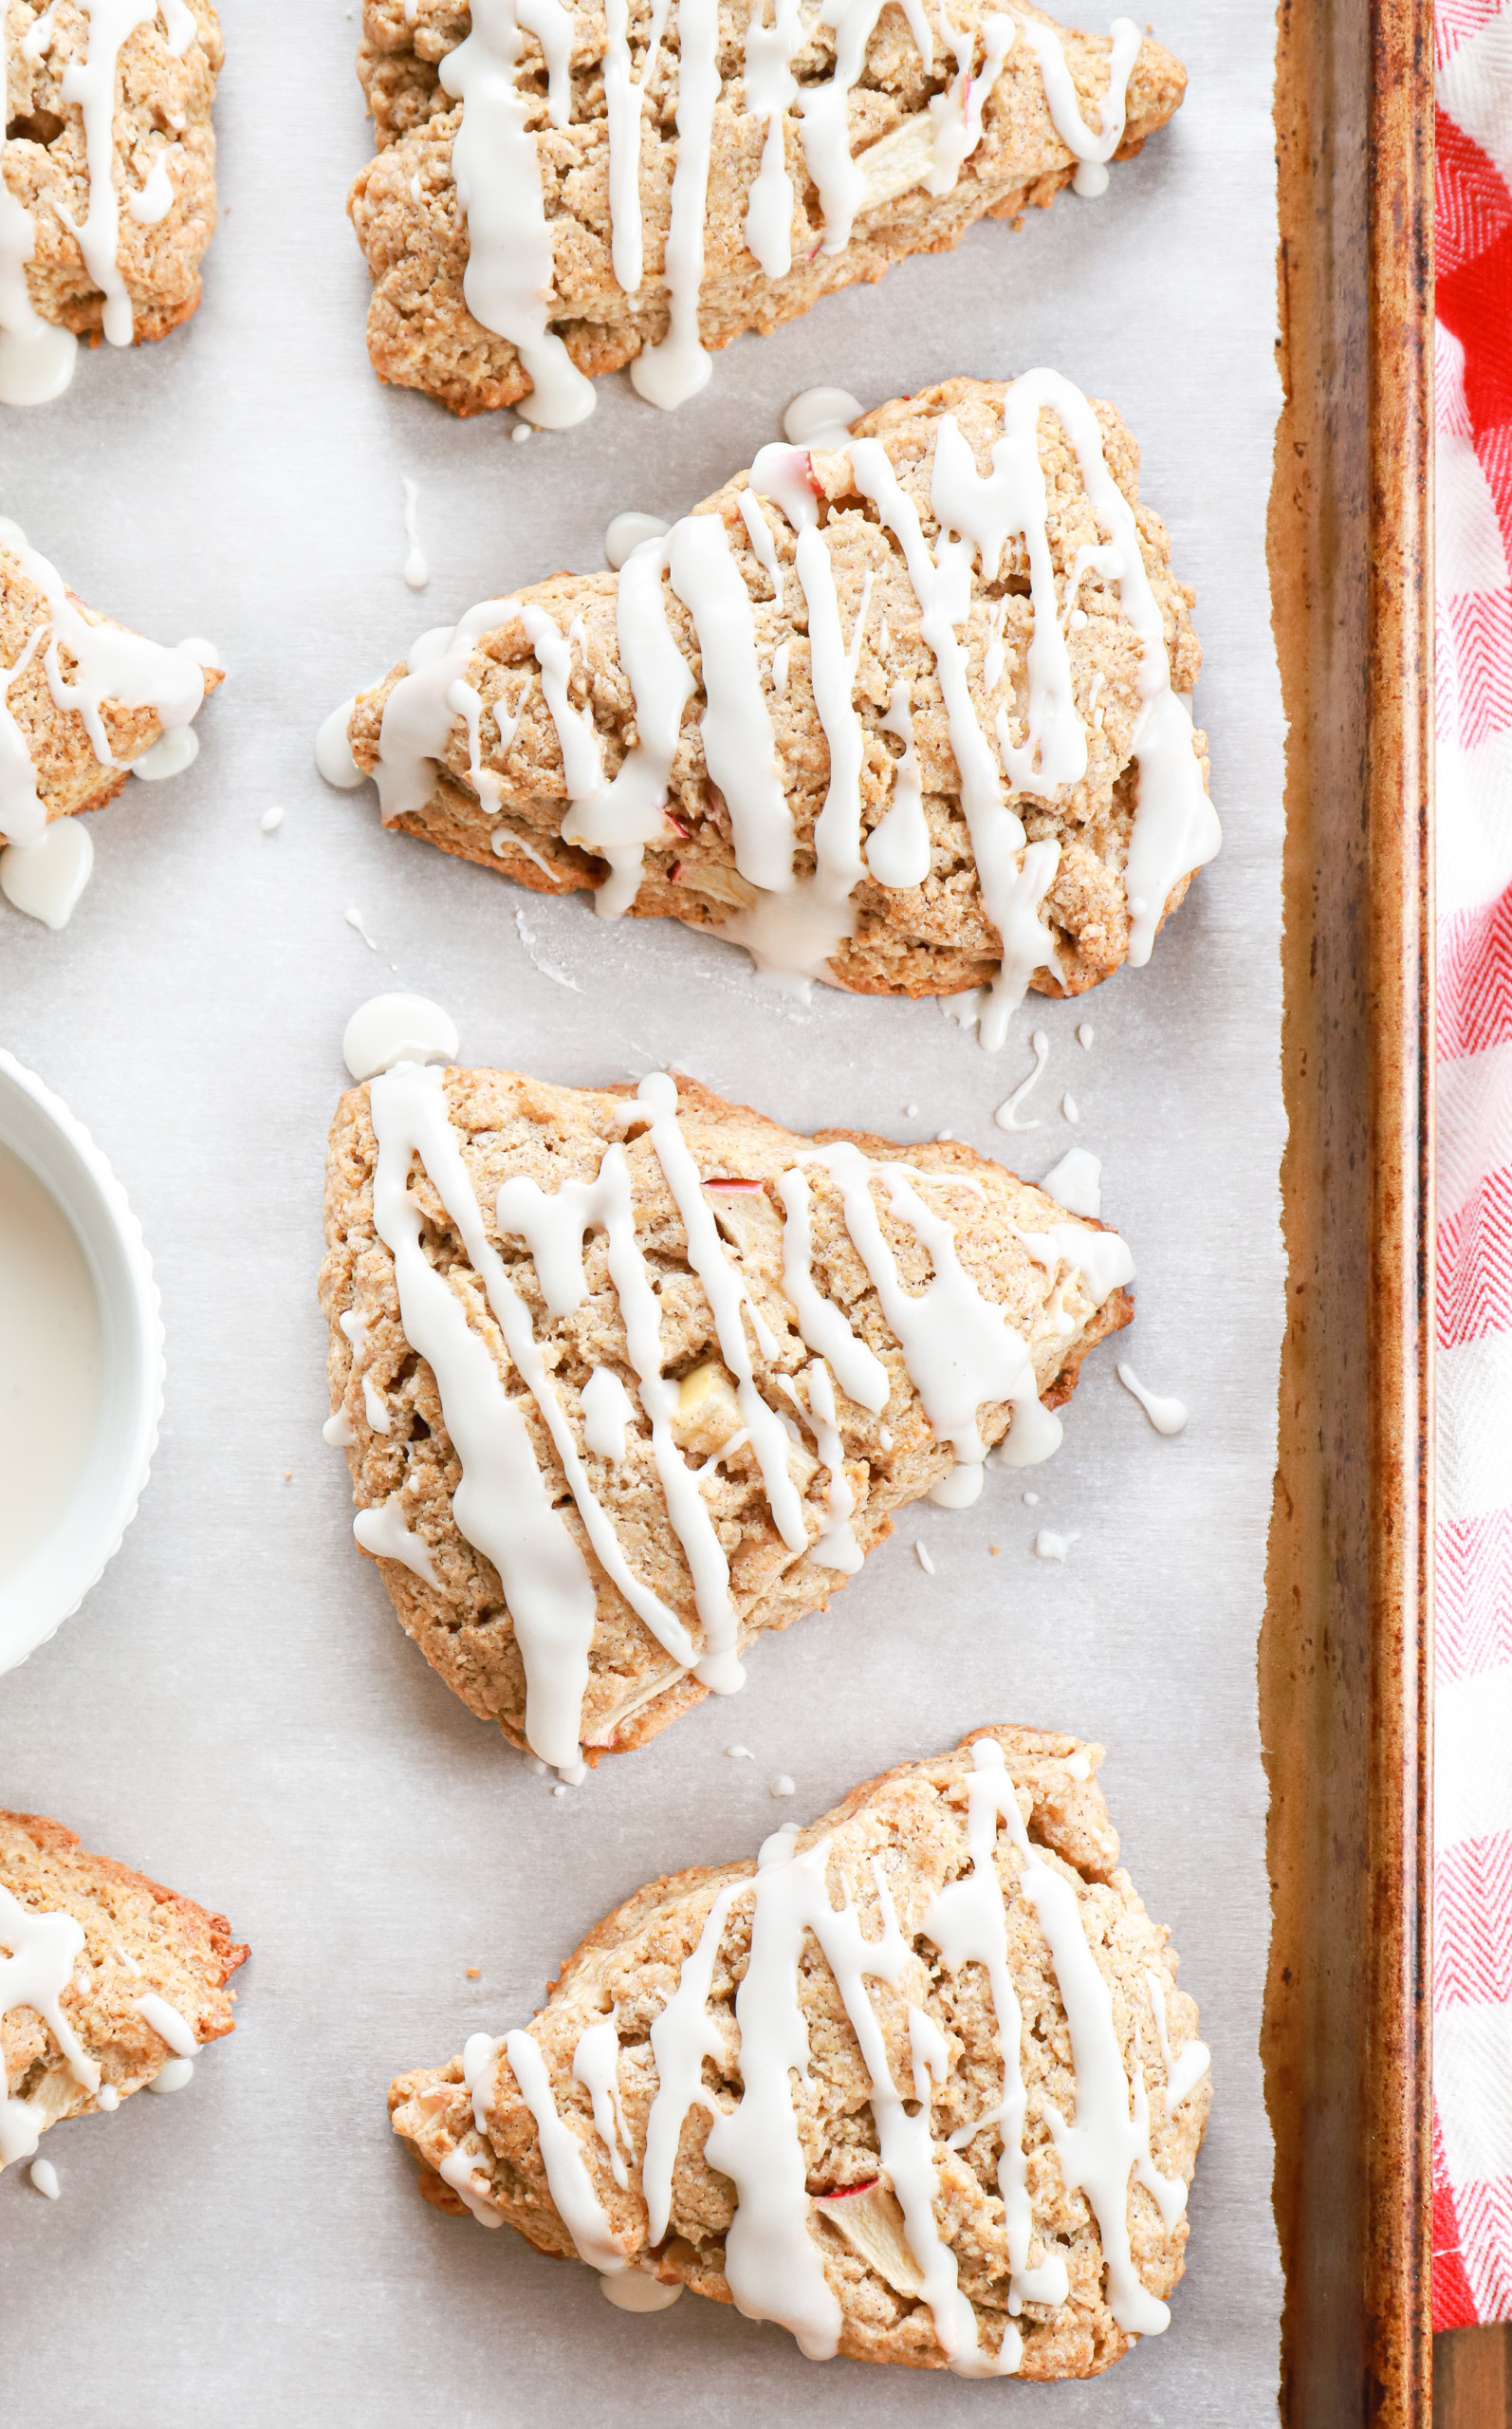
x=81, y=1363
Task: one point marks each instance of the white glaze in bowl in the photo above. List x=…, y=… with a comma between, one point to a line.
x=52, y=1581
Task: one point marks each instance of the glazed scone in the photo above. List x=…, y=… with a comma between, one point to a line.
x=546, y=205
x=105, y=1979
x=81, y=698
x=627, y=1376
x=910, y=716
x=918, y=2084
x=119, y=255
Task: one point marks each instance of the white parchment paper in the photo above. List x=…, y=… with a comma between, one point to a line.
x=234, y=1709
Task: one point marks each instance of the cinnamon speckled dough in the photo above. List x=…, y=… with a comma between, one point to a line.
x=913, y=1823
x=932, y=939
x=404, y=205
x=162, y=109
x=138, y=1937
x=512, y=1126
x=69, y=775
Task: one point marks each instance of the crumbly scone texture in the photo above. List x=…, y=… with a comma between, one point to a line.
x=138, y=1937
x=911, y=1823
x=70, y=777
x=929, y=940
x=511, y=1126
x=404, y=204
x=162, y=106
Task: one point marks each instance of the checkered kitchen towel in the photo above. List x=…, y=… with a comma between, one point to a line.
x=1472, y=1871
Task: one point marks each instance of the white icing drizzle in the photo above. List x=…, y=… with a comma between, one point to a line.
x=167, y=2023
x=1103, y=2146
x=620, y=820
x=416, y=572
x=897, y=850
x=45, y=878
x=771, y=90
x=38, y=1952
x=596, y=2065
x=418, y=711
x=837, y=1547
x=1075, y=1183
x=626, y=532
x=607, y=1415
x=111, y=664
x=582, y=2212
x=822, y=1324
x=740, y=749
x=1166, y=1413
x=624, y=104
x=955, y=114
x=510, y=271
x=386, y=1533
x=1187, y=2068
x=501, y=1503
x=153, y=198
x=959, y=1348
x=668, y=374
x=823, y=112
x=1007, y=1116
x=759, y=532
x=91, y=82
x=175, y=2076
x=823, y=417
x=1093, y=152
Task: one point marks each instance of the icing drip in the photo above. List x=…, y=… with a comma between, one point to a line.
x=38, y=1952
x=837, y=1547
x=45, y=878
x=1093, y=152
x=582, y=2212
x=668, y=374
x=822, y=1324
x=1166, y=1413
x=91, y=82
x=624, y=105
x=153, y=202
x=760, y=534
x=510, y=271
x=629, y=813
x=418, y=711
x=607, y=1415
x=771, y=89
x=596, y=2065
x=110, y=664
x=738, y=746
x=1104, y=2145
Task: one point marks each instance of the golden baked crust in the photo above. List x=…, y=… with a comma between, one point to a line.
x=928, y=939
x=511, y=1126
x=405, y=208
x=911, y=1825
x=138, y=1937
x=69, y=775
x=163, y=107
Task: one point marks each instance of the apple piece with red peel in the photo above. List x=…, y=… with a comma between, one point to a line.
x=746, y=1217
x=870, y=2219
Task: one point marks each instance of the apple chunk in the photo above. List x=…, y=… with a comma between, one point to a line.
x=870, y=2221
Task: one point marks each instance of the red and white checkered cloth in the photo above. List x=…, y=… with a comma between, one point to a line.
x=1473, y=1855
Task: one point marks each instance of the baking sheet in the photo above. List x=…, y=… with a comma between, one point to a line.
x=234, y=1709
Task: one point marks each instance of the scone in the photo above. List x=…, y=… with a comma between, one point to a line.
x=627, y=1376
x=81, y=698
x=107, y=180
x=105, y=1979
x=560, y=190
x=918, y=2084
x=910, y=716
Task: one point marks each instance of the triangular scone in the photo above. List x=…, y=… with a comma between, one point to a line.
x=516, y=220
x=87, y=86
x=81, y=698
x=105, y=1979
x=918, y=2084
x=909, y=718
x=626, y=1376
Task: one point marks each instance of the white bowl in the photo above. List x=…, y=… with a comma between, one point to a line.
x=39, y=1130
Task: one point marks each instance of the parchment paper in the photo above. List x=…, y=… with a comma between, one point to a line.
x=236, y=1708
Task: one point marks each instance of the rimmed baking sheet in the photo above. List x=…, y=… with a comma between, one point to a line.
x=235, y=1708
